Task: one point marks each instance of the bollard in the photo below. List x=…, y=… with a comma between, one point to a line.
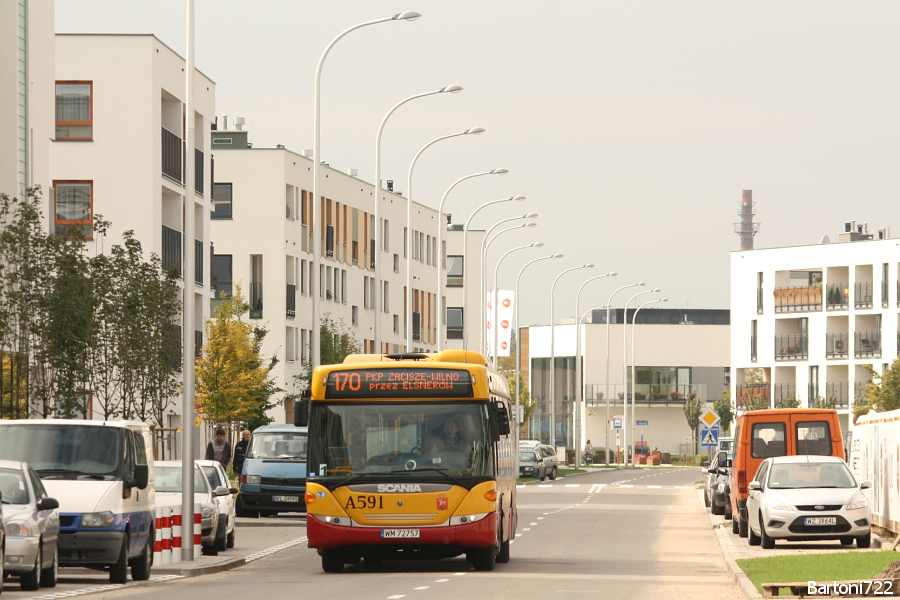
x=197, y=529
x=157, y=543
x=176, y=534
x=166, y=535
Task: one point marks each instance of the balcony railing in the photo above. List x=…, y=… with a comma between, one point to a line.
x=791, y=347
x=753, y=345
x=291, y=301
x=782, y=392
x=860, y=393
x=744, y=392
x=198, y=344
x=867, y=344
x=837, y=297
x=759, y=301
x=198, y=171
x=885, y=287
x=838, y=393
x=198, y=262
x=798, y=299
x=837, y=345
x=256, y=300
x=644, y=394
x=172, y=152
x=862, y=294
x=171, y=250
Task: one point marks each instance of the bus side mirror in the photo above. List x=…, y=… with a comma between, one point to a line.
x=499, y=421
x=301, y=409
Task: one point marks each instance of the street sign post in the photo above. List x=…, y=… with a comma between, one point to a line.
x=709, y=418
x=709, y=437
x=617, y=423
x=642, y=422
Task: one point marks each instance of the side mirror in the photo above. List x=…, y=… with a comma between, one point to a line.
x=141, y=477
x=865, y=485
x=502, y=418
x=221, y=491
x=233, y=490
x=48, y=504
x=301, y=409
x=754, y=485
x=722, y=457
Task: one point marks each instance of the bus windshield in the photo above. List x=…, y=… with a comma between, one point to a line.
x=66, y=451
x=398, y=439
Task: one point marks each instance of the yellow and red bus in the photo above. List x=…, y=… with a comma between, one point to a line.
x=409, y=456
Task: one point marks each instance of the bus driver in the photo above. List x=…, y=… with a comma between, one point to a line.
x=449, y=441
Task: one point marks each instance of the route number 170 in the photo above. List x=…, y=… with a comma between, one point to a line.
x=343, y=380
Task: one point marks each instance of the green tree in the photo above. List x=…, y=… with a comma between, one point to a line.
x=692, y=411
x=755, y=402
x=882, y=391
x=788, y=403
x=724, y=407
x=821, y=402
x=336, y=343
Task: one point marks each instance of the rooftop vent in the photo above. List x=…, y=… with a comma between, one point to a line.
x=239, y=123
x=280, y=146
x=307, y=153
x=353, y=172
x=390, y=185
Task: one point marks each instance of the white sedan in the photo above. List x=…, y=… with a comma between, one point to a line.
x=217, y=477
x=804, y=498
x=168, y=493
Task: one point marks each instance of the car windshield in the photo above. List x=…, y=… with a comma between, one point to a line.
x=276, y=444
x=526, y=456
x=168, y=479
x=433, y=439
x=810, y=475
x=12, y=487
x=213, y=475
x=66, y=451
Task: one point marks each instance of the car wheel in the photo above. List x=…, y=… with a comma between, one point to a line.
x=717, y=510
x=118, y=571
x=229, y=540
x=483, y=559
x=221, y=543
x=706, y=501
x=846, y=541
x=864, y=541
x=764, y=540
x=240, y=511
x=140, y=566
x=503, y=555
x=553, y=474
x=352, y=559
x=543, y=477
x=743, y=528
x=332, y=561
x=735, y=526
x=752, y=538
x=31, y=580
x=210, y=549
x=51, y=573
x=728, y=512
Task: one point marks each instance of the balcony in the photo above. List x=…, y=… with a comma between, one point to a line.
x=860, y=393
x=759, y=301
x=838, y=393
x=198, y=171
x=782, y=392
x=653, y=394
x=885, y=301
x=172, y=152
x=837, y=345
x=867, y=344
x=171, y=250
x=198, y=262
x=862, y=294
x=753, y=346
x=791, y=347
x=837, y=296
x=291, y=301
x=742, y=393
x=256, y=300
x=798, y=299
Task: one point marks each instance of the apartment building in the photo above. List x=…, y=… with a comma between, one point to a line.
x=808, y=321
x=676, y=354
x=118, y=150
x=262, y=228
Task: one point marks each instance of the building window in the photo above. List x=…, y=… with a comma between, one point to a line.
x=455, y=271
x=221, y=201
x=386, y=235
x=753, y=339
x=396, y=323
x=74, y=214
x=354, y=315
x=385, y=304
x=221, y=276
x=454, y=323
x=74, y=110
x=396, y=263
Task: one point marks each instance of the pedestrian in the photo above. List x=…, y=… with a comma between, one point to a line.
x=240, y=451
x=588, y=452
x=219, y=449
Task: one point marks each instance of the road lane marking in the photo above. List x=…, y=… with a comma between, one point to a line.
x=442, y=581
x=103, y=588
x=397, y=597
x=573, y=485
x=545, y=485
x=423, y=587
x=655, y=487
x=534, y=523
x=626, y=486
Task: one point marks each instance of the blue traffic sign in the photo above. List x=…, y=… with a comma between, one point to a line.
x=643, y=421
x=710, y=437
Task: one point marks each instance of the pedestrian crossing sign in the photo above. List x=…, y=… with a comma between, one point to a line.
x=710, y=437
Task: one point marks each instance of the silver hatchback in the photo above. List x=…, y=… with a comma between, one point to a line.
x=31, y=521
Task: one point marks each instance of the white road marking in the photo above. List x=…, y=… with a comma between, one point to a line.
x=527, y=529
x=442, y=580
x=424, y=587
x=544, y=485
x=573, y=485
x=397, y=597
x=534, y=523
x=656, y=487
x=103, y=588
x=626, y=486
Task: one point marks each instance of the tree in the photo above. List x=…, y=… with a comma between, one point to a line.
x=788, y=403
x=336, y=343
x=821, y=402
x=725, y=409
x=233, y=383
x=883, y=390
x=755, y=402
x=692, y=410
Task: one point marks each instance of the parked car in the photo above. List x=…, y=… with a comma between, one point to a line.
x=168, y=493
x=273, y=477
x=101, y=472
x=31, y=522
x=715, y=492
x=531, y=464
x=217, y=477
x=546, y=463
x=806, y=498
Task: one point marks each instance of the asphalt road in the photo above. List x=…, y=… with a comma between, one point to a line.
x=609, y=534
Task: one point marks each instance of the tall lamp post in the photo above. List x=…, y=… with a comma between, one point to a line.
x=482, y=318
x=466, y=319
x=625, y=367
x=518, y=337
x=608, y=304
x=579, y=387
x=314, y=344
x=633, y=409
x=440, y=237
x=408, y=241
x=379, y=228
x=494, y=320
x=553, y=353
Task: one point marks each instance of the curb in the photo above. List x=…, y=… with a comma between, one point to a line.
x=741, y=581
x=225, y=565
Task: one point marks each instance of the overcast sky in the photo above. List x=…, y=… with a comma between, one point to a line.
x=632, y=127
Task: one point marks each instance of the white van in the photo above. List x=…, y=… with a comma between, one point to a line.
x=101, y=472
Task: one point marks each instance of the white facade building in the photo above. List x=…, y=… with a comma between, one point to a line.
x=811, y=319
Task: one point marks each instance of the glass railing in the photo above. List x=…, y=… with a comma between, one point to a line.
x=655, y=394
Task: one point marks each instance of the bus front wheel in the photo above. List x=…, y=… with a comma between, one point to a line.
x=484, y=558
x=332, y=561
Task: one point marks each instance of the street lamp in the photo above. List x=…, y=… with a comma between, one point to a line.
x=466, y=265
x=608, y=304
x=494, y=320
x=314, y=344
x=408, y=241
x=379, y=228
x=518, y=340
x=633, y=324
x=625, y=366
x=482, y=318
x=553, y=354
x=440, y=237
x=577, y=420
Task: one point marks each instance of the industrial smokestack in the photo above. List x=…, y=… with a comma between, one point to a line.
x=747, y=228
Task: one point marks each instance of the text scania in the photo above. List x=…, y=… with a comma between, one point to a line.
x=399, y=487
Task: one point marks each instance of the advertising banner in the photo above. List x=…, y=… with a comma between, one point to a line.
x=874, y=454
x=504, y=318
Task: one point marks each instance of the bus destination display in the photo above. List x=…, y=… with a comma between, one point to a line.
x=399, y=383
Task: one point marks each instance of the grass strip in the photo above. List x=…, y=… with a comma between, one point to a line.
x=836, y=566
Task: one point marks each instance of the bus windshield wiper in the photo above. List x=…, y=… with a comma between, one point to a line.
x=441, y=471
x=62, y=472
